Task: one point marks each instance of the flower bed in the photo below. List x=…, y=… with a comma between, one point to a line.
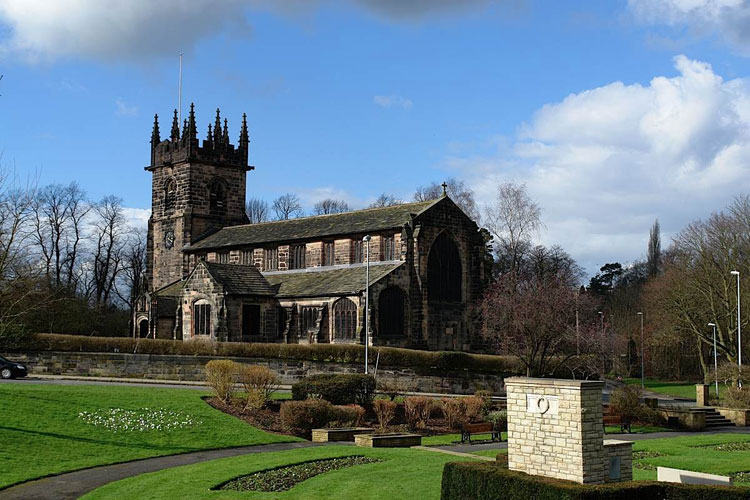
x=143, y=419
x=286, y=477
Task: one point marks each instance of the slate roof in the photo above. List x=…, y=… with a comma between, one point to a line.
x=171, y=290
x=239, y=280
x=359, y=221
x=326, y=281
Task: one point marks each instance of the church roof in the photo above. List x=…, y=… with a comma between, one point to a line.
x=359, y=221
x=322, y=281
x=239, y=280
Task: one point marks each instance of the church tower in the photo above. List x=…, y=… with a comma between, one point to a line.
x=195, y=189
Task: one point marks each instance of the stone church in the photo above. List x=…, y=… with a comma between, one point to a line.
x=213, y=275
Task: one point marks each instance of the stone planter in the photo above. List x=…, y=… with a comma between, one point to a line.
x=340, y=434
x=388, y=440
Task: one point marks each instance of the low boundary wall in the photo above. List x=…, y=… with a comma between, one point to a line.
x=191, y=368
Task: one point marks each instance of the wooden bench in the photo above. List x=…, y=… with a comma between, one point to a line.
x=467, y=430
x=609, y=418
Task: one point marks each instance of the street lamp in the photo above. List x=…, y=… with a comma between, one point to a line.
x=739, y=332
x=366, y=239
x=716, y=363
x=643, y=383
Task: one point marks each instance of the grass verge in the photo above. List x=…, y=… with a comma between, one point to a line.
x=401, y=474
x=42, y=434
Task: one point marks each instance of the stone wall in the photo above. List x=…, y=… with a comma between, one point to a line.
x=190, y=368
x=555, y=429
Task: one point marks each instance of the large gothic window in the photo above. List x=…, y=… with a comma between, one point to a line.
x=170, y=194
x=392, y=312
x=217, y=192
x=344, y=319
x=444, y=271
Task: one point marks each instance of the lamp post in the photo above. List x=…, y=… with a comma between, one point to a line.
x=366, y=239
x=643, y=380
x=739, y=332
x=716, y=362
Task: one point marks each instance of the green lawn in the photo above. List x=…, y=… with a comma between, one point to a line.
x=41, y=433
x=403, y=474
x=678, y=389
x=691, y=453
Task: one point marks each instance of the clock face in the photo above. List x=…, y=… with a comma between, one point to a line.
x=169, y=239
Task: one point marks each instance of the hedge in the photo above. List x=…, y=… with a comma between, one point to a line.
x=339, y=389
x=490, y=481
x=420, y=361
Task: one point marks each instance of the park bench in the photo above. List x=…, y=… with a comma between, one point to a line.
x=610, y=418
x=467, y=430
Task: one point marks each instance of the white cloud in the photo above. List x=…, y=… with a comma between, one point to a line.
x=604, y=163
x=728, y=19
x=140, y=29
x=137, y=218
x=389, y=101
x=124, y=109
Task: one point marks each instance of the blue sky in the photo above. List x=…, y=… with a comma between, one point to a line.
x=613, y=113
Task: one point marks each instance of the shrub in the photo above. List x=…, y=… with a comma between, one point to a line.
x=423, y=362
x=486, y=401
x=492, y=481
x=221, y=376
x=337, y=389
x=385, y=410
x=498, y=419
x=259, y=382
x=301, y=417
x=392, y=387
x=417, y=410
x=454, y=410
x=346, y=416
x=735, y=397
x=473, y=406
x=626, y=402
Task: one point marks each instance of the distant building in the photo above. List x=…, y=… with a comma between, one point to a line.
x=211, y=274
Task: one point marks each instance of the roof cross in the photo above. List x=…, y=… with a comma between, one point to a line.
x=445, y=189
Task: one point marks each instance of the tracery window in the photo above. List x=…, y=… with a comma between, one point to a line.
x=246, y=257
x=222, y=258
x=358, y=255
x=307, y=316
x=344, y=319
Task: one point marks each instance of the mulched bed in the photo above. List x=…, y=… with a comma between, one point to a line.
x=267, y=419
x=286, y=477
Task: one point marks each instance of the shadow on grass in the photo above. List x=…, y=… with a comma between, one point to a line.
x=170, y=448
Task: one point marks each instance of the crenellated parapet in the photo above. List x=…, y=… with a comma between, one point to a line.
x=185, y=147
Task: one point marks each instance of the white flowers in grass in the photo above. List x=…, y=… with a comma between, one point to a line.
x=143, y=419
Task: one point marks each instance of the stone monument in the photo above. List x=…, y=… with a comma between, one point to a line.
x=555, y=430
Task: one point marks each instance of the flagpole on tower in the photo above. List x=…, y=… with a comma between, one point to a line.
x=179, y=92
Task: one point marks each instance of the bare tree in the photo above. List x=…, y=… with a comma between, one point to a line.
x=330, y=206
x=457, y=190
x=109, y=237
x=257, y=210
x=513, y=218
x=654, y=250
x=287, y=206
x=132, y=278
x=57, y=215
x=386, y=200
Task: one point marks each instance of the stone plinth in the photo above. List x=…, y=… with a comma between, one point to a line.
x=341, y=434
x=665, y=474
x=555, y=430
x=388, y=440
x=620, y=460
x=701, y=394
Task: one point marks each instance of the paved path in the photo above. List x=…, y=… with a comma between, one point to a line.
x=72, y=485
x=469, y=448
